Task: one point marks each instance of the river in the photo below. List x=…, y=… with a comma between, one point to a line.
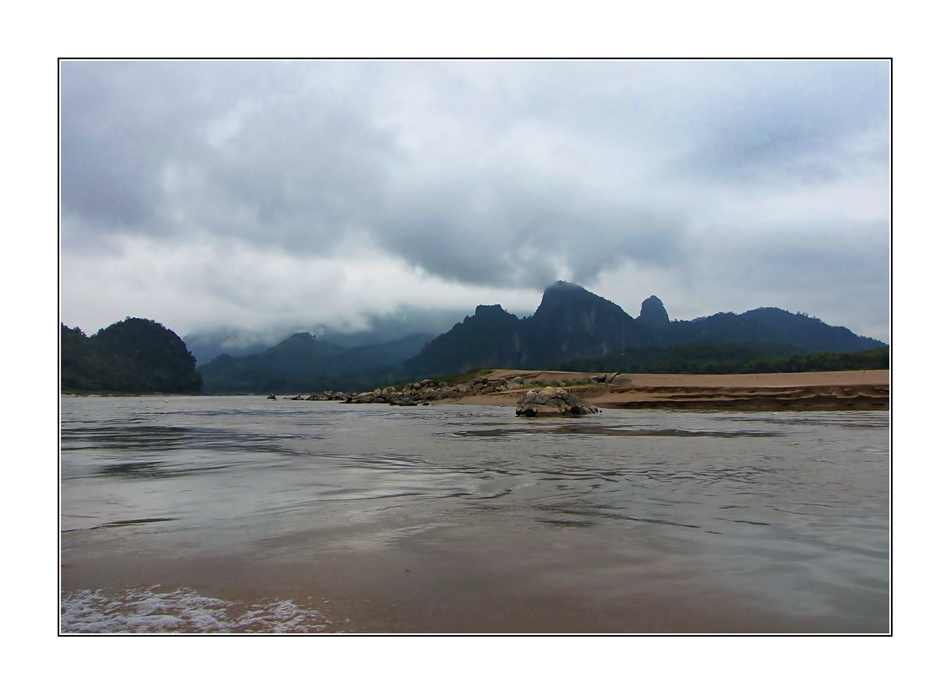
x=239, y=514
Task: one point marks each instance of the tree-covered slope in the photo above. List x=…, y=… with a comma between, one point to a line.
x=730, y=358
x=806, y=333
x=136, y=355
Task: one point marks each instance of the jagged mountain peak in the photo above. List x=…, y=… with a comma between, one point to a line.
x=484, y=310
x=652, y=311
x=564, y=296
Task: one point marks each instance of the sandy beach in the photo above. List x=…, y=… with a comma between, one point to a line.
x=826, y=390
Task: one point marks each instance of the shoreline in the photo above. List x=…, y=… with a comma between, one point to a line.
x=867, y=390
x=818, y=390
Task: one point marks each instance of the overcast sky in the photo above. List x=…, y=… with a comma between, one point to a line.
x=287, y=195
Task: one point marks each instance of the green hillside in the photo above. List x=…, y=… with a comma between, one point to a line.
x=133, y=356
x=730, y=358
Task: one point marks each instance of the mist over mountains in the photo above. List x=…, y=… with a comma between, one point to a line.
x=374, y=329
x=570, y=323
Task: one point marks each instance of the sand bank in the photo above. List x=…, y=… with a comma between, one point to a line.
x=825, y=390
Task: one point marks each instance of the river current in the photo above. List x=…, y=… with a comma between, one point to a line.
x=238, y=514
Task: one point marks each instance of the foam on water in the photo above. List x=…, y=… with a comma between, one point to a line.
x=148, y=610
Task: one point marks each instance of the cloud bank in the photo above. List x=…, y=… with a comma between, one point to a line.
x=251, y=194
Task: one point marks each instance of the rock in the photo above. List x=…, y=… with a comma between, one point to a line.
x=552, y=402
x=360, y=398
x=653, y=313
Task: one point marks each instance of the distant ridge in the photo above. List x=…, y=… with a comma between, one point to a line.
x=570, y=324
x=573, y=323
x=303, y=363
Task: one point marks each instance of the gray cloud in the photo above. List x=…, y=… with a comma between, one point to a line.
x=480, y=174
x=766, y=122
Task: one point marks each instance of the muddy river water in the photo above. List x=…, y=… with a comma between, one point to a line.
x=239, y=514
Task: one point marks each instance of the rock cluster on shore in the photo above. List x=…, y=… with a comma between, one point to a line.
x=552, y=401
x=427, y=391
x=819, y=391
x=422, y=392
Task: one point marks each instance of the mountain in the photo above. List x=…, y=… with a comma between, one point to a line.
x=572, y=323
x=653, y=315
x=238, y=343
x=404, y=321
x=303, y=363
x=491, y=336
x=136, y=355
x=767, y=325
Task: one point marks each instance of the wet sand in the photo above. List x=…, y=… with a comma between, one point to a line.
x=826, y=390
x=486, y=581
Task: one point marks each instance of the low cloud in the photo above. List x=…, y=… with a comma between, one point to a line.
x=238, y=192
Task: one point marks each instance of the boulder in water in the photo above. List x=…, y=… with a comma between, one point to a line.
x=552, y=402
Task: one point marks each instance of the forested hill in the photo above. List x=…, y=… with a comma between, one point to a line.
x=730, y=358
x=799, y=330
x=136, y=355
x=573, y=323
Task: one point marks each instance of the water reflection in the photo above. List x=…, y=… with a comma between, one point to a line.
x=737, y=493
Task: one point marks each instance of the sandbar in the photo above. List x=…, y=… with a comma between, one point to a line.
x=821, y=390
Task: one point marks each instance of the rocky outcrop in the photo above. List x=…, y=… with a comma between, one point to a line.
x=427, y=391
x=552, y=401
x=423, y=392
x=328, y=395
x=653, y=315
x=325, y=395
